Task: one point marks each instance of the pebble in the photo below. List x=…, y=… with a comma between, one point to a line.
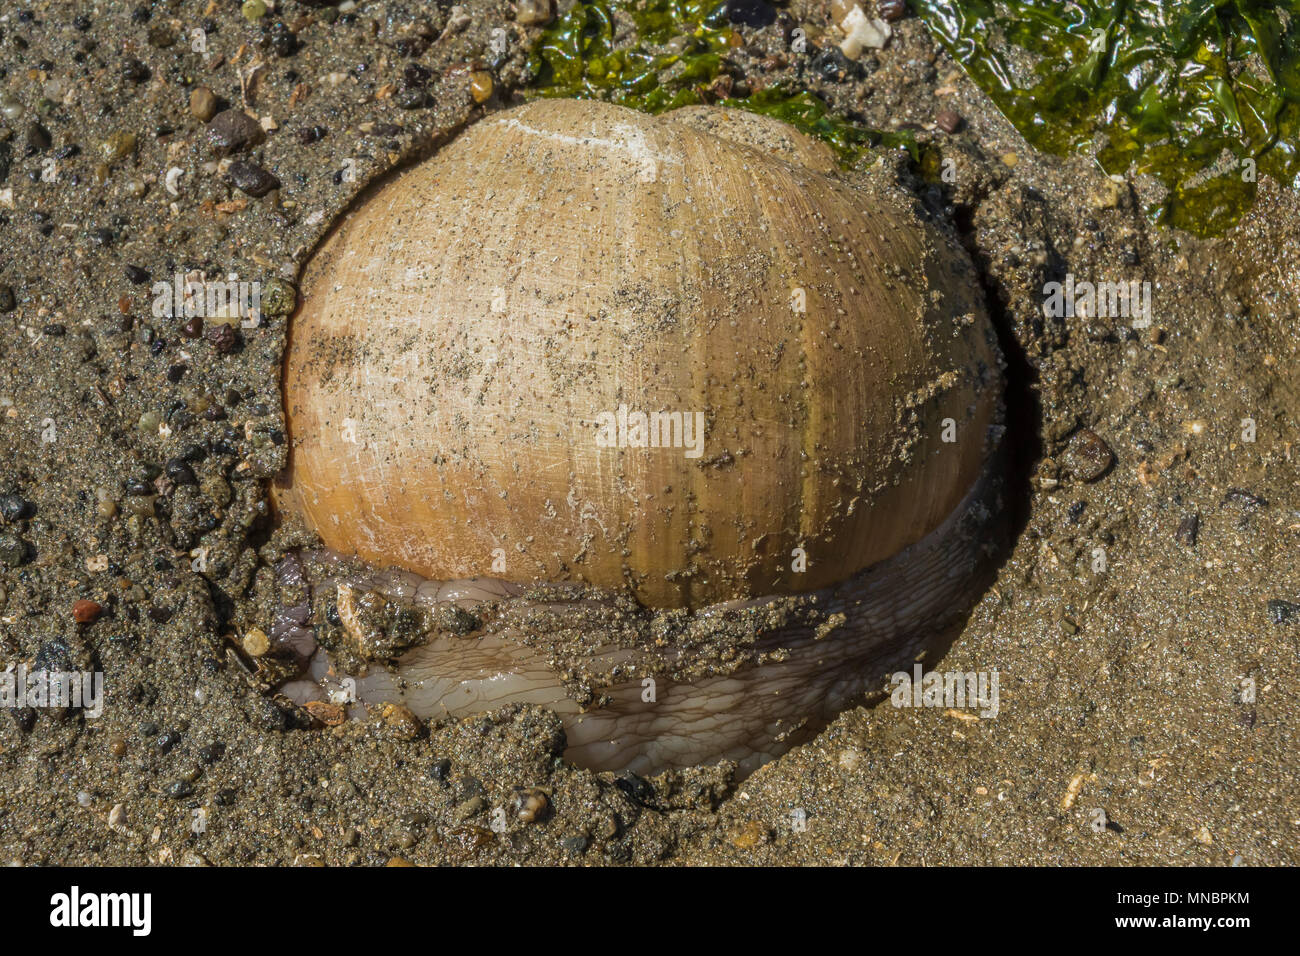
x=180, y=789
x=949, y=121
x=1087, y=457
x=38, y=137
x=832, y=65
x=232, y=131
x=278, y=298
x=135, y=71
x=252, y=179
x=1283, y=612
x=7, y=300
x=119, y=145
x=10, y=108
x=14, y=508
x=532, y=805
x=480, y=86
x=1188, y=529
x=105, y=504
x=468, y=809
x=223, y=338
x=399, y=721
x=86, y=612
x=892, y=10
x=256, y=643
x=135, y=275
x=148, y=423
x=534, y=12
x=180, y=472
x=749, y=835
x=203, y=103
x=13, y=550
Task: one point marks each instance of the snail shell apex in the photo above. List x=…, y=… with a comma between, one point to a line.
x=464, y=329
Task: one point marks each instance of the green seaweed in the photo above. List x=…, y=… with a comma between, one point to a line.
x=657, y=55
x=1201, y=94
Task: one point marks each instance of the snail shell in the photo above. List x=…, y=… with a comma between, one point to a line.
x=478, y=336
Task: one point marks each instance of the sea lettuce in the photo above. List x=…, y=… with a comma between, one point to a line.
x=1202, y=94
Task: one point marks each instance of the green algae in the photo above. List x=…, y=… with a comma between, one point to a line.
x=1201, y=94
x=657, y=55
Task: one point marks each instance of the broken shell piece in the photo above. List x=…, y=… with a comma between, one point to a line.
x=862, y=33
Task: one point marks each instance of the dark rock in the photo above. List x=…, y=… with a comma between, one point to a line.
x=13, y=550
x=232, y=131
x=1283, y=612
x=14, y=508
x=892, y=9
x=949, y=121
x=223, y=337
x=832, y=65
x=252, y=179
x=1087, y=457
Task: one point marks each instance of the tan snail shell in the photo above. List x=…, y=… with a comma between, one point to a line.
x=469, y=332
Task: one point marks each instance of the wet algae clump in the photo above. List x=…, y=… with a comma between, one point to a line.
x=1201, y=94
x=671, y=56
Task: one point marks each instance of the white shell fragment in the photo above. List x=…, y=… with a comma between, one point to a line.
x=862, y=32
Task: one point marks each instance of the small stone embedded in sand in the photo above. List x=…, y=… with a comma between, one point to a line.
x=232, y=131
x=331, y=715
x=203, y=103
x=14, y=507
x=119, y=145
x=535, y=12
x=256, y=643
x=749, y=835
x=1087, y=457
x=532, y=805
x=86, y=612
x=480, y=86
x=949, y=121
x=252, y=179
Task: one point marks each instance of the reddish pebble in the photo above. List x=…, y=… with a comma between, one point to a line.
x=948, y=121
x=892, y=9
x=86, y=612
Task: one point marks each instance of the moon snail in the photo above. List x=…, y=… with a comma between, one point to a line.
x=664, y=423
